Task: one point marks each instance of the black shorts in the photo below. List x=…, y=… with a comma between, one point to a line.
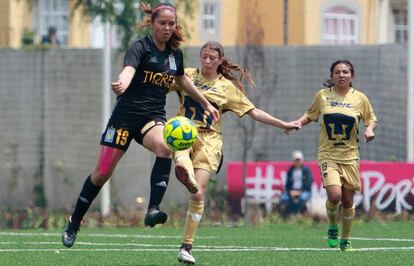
x=120, y=134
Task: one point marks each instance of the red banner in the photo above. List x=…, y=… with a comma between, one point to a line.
x=387, y=185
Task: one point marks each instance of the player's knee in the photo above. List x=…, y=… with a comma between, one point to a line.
x=163, y=151
x=100, y=176
x=98, y=180
x=198, y=196
x=347, y=203
x=334, y=198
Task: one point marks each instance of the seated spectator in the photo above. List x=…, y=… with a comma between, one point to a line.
x=298, y=186
x=51, y=37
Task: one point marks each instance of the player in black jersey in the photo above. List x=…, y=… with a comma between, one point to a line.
x=151, y=65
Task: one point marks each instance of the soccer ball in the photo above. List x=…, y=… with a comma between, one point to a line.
x=180, y=133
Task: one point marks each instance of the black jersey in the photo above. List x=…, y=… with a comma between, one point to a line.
x=155, y=72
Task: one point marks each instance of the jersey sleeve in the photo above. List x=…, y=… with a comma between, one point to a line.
x=367, y=113
x=134, y=54
x=314, y=109
x=180, y=64
x=237, y=102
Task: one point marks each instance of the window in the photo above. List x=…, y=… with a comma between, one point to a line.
x=340, y=26
x=54, y=13
x=209, y=17
x=401, y=25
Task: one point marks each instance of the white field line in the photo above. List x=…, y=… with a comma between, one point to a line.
x=374, y=239
x=158, y=247
x=104, y=235
x=88, y=244
x=166, y=245
x=383, y=239
x=178, y=237
x=267, y=249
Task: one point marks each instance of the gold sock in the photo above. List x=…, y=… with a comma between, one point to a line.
x=348, y=215
x=183, y=158
x=331, y=211
x=194, y=214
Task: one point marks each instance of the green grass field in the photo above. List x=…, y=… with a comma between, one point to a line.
x=375, y=243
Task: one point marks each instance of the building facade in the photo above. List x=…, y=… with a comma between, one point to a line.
x=28, y=20
x=232, y=22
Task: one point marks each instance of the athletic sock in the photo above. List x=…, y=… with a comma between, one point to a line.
x=194, y=214
x=348, y=215
x=159, y=181
x=86, y=196
x=331, y=211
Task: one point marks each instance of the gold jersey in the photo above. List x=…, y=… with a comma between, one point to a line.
x=339, y=118
x=220, y=92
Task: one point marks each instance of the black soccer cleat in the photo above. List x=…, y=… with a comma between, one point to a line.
x=154, y=217
x=69, y=234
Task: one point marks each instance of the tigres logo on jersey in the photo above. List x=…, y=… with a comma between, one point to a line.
x=160, y=79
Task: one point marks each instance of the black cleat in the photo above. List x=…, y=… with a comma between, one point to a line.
x=154, y=217
x=69, y=234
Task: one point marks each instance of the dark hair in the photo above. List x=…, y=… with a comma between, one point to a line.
x=52, y=30
x=152, y=13
x=329, y=82
x=230, y=71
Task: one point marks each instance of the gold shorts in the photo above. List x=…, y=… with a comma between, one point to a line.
x=346, y=175
x=206, y=152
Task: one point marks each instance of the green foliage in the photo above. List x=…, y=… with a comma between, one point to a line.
x=125, y=14
x=217, y=208
x=28, y=37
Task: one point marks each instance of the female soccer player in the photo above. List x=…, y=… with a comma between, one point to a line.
x=218, y=81
x=150, y=66
x=339, y=108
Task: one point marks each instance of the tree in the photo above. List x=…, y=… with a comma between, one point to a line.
x=253, y=57
x=125, y=14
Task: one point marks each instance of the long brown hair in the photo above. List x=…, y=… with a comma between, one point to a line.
x=230, y=71
x=152, y=13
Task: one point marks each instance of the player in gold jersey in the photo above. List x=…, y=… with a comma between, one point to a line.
x=339, y=108
x=220, y=82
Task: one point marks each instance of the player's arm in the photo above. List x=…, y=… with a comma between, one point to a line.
x=312, y=113
x=369, y=134
x=369, y=118
x=303, y=121
x=124, y=80
x=263, y=117
x=184, y=83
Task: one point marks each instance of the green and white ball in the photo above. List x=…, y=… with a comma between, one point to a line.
x=180, y=133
